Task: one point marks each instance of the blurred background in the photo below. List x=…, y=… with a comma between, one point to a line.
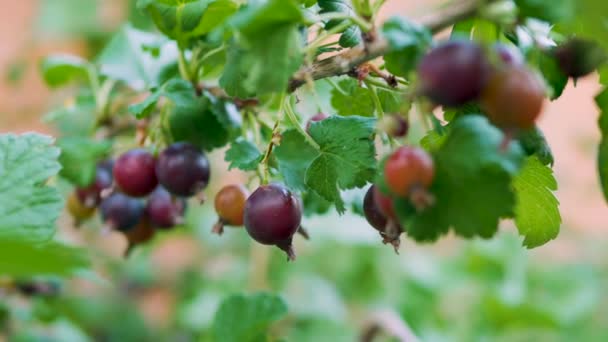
x=344, y=279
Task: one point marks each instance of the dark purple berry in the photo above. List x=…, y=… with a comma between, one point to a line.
x=163, y=210
x=272, y=216
x=579, y=57
x=183, y=169
x=373, y=215
x=316, y=118
x=134, y=173
x=453, y=73
x=388, y=226
x=121, y=212
x=508, y=54
x=90, y=196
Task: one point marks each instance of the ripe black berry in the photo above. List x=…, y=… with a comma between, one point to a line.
x=388, y=226
x=90, y=196
x=230, y=206
x=579, y=57
x=183, y=169
x=373, y=215
x=121, y=212
x=453, y=73
x=272, y=216
x=163, y=210
x=134, y=173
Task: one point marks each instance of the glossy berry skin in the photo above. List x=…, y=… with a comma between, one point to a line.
x=230, y=204
x=121, y=212
x=183, y=169
x=384, y=204
x=513, y=98
x=90, y=196
x=273, y=215
x=508, y=55
x=453, y=73
x=579, y=57
x=163, y=210
x=134, y=173
x=77, y=209
x=316, y=118
x=373, y=215
x=408, y=167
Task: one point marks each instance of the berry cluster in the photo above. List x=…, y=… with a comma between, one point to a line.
x=139, y=193
x=457, y=72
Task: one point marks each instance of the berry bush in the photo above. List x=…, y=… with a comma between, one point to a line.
x=323, y=107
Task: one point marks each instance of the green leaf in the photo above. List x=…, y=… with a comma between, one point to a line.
x=182, y=20
x=534, y=143
x=408, y=43
x=547, y=10
x=294, y=155
x=204, y=121
x=537, y=210
x=265, y=65
x=472, y=186
x=22, y=258
x=555, y=79
x=179, y=91
x=127, y=58
x=243, y=155
x=602, y=157
x=588, y=20
x=351, y=99
x=350, y=37
x=345, y=160
x=27, y=205
x=245, y=318
x=79, y=157
x=347, y=157
x=57, y=70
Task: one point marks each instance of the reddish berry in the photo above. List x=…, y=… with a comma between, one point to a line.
x=183, y=169
x=90, y=196
x=230, y=205
x=121, y=212
x=407, y=168
x=142, y=233
x=316, y=118
x=134, y=173
x=272, y=216
x=453, y=73
x=384, y=204
x=163, y=210
x=513, y=98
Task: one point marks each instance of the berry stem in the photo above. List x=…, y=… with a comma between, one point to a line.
x=294, y=120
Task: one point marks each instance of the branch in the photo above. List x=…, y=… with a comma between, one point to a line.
x=390, y=323
x=344, y=62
